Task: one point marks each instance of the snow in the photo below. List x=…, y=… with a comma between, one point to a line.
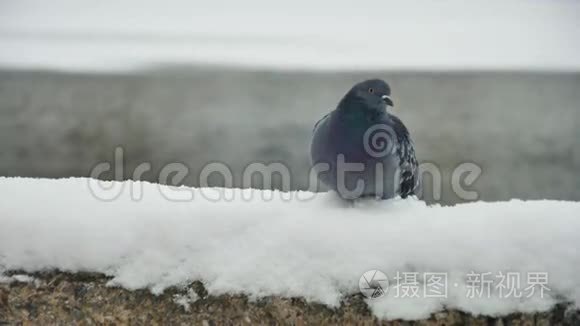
x=185, y=300
x=294, y=244
x=378, y=34
x=18, y=278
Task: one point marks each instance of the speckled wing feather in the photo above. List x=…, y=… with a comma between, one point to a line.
x=409, y=178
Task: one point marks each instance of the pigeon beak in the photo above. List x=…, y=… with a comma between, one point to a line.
x=387, y=99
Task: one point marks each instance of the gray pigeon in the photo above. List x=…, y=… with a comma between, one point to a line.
x=362, y=150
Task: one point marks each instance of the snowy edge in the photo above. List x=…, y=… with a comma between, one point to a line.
x=317, y=248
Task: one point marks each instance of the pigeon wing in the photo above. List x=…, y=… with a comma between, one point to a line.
x=408, y=165
x=320, y=121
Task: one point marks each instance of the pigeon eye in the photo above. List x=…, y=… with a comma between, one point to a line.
x=371, y=90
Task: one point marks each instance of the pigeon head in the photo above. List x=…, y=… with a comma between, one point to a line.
x=372, y=94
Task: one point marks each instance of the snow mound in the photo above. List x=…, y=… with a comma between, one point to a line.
x=263, y=243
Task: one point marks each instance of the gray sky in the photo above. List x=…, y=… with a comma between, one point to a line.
x=456, y=35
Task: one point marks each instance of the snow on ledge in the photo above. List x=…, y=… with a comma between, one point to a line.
x=316, y=248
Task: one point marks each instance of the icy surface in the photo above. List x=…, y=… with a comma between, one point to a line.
x=377, y=34
x=264, y=243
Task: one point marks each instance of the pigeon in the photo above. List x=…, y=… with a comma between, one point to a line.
x=360, y=149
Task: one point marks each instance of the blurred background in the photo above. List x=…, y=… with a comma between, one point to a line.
x=496, y=83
